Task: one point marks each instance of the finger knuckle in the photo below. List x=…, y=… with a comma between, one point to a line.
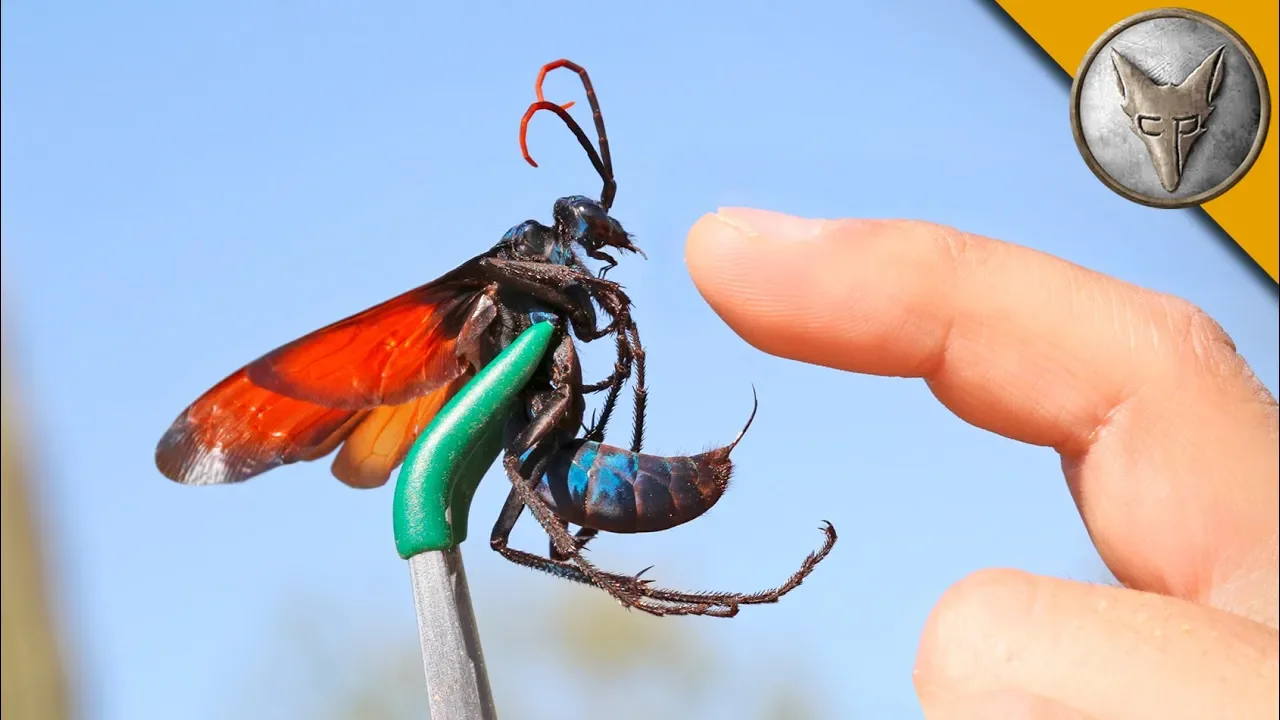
x=1194, y=331
x=956, y=245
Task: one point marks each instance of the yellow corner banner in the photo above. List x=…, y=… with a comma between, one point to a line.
x=1248, y=212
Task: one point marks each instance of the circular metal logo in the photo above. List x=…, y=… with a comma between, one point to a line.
x=1170, y=108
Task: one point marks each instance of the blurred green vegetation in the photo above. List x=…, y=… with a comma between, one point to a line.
x=571, y=653
x=32, y=683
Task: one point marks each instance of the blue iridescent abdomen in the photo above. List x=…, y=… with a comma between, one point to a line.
x=614, y=490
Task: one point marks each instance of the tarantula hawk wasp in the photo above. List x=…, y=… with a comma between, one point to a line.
x=368, y=385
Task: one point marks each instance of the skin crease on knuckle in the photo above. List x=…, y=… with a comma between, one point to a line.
x=1201, y=407
x=1175, y=347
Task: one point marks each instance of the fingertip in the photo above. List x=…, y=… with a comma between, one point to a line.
x=731, y=233
x=708, y=240
x=738, y=272
x=722, y=257
x=732, y=241
x=963, y=619
x=779, y=281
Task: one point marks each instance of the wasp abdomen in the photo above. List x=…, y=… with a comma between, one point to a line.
x=611, y=489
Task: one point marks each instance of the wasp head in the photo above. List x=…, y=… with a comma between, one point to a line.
x=583, y=221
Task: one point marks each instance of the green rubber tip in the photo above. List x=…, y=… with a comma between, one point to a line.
x=440, y=474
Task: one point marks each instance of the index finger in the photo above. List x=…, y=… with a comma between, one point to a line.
x=1167, y=438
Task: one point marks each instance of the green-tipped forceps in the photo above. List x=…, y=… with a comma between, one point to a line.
x=432, y=499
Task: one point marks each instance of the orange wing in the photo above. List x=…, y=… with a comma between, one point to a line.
x=380, y=442
x=238, y=430
x=389, y=354
x=374, y=379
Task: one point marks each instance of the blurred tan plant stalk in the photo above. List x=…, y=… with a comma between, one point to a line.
x=32, y=680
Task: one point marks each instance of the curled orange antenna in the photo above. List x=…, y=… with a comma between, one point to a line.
x=542, y=75
x=602, y=160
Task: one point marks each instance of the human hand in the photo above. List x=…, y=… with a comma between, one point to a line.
x=1169, y=445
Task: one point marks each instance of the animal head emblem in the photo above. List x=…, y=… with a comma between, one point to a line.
x=1169, y=118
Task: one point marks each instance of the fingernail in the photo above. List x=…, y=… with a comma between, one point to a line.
x=771, y=224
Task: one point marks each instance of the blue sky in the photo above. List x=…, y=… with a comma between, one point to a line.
x=187, y=185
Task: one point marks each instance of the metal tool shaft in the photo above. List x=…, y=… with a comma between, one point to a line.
x=457, y=681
